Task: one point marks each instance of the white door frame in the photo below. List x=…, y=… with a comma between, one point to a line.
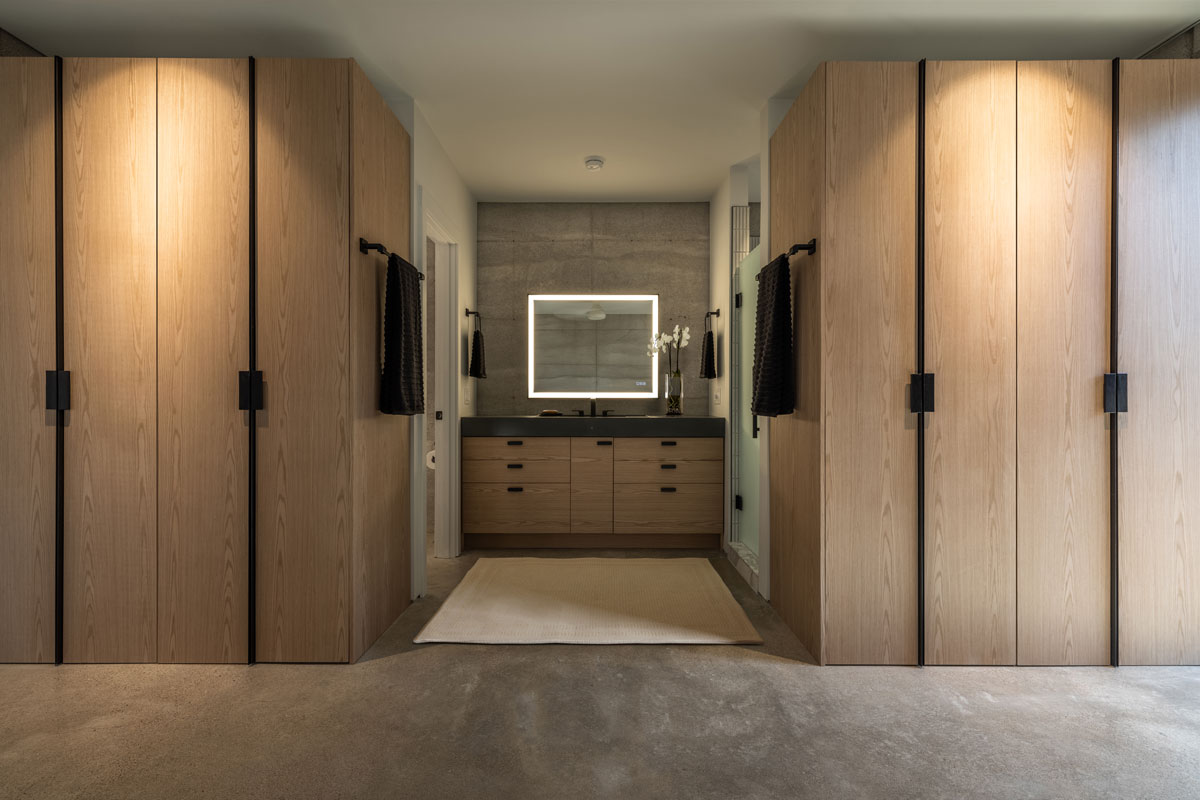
x=446, y=372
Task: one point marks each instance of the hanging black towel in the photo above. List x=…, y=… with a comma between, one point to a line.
x=774, y=376
x=708, y=352
x=402, y=384
x=477, y=368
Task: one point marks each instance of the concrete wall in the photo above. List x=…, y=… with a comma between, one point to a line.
x=590, y=248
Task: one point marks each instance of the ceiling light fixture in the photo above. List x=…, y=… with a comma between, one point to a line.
x=593, y=163
x=596, y=313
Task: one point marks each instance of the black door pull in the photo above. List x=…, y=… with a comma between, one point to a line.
x=516, y=466
x=666, y=466
x=602, y=444
x=667, y=489
x=517, y=443
x=516, y=488
x=667, y=444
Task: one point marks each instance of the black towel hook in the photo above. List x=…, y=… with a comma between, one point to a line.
x=708, y=314
x=471, y=313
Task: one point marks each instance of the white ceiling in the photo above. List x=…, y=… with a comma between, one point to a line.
x=668, y=91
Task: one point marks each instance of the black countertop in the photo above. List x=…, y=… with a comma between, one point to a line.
x=683, y=426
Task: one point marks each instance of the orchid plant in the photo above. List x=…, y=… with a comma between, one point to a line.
x=670, y=344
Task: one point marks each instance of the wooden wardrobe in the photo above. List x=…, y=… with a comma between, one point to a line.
x=1006, y=290
x=176, y=255
x=843, y=488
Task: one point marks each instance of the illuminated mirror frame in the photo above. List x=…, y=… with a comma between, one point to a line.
x=597, y=298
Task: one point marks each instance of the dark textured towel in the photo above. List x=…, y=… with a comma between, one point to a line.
x=402, y=384
x=708, y=354
x=478, y=367
x=774, y=377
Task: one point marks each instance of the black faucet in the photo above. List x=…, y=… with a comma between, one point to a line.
x=581, y=413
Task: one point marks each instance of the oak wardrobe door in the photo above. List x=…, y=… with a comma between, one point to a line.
x=203, y=332
x=970, y=306
x=108, y=195
x=304, y=450
x=1159, y=331
x=27, y=350
x=869, y=335
x=1064, y=169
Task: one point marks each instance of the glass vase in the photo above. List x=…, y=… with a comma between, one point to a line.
x=673, y=391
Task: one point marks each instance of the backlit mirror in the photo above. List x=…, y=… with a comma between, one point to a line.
x=592, y=345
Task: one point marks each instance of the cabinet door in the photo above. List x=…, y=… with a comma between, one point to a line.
x=869, y=338
x=304, y=451
x=203, y=341
x=970, y=318
x=27, y=349
x=1159, y=346
x=109, y=277
x=1064, y=146
x=663, y=508
x=591, y=485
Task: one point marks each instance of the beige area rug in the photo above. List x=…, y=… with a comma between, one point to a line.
x=591, y=601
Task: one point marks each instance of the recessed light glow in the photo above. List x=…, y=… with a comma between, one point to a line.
x=593, y=163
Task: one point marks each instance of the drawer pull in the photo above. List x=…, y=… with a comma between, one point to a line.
x=516, y=443
x=667, y=444
x=602, y=444
x=667, y=489
x=516, y=488
x=516, y=466
x=666, y=466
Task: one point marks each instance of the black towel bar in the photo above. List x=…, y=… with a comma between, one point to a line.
x=365, y=247
x=809, y=247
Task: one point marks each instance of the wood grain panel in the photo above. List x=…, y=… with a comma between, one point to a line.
x=1159, y=291
x=109, y=229
x=503, y=449
x=797, y=165
x=709, y=448
x=304, y=448
x=380, y=187
x=203, y=333
x=685, y=508
x=970, y=302
x=527, y=508
x=1064, y=177
x=591, y=485
x=869, y=341
x=27, y=344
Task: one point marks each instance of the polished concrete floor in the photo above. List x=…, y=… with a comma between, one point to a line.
x=464, y=721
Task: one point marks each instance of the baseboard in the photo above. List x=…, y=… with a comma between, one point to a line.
x=599, y=541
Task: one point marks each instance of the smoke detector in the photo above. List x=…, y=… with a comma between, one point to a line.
x=593, y=163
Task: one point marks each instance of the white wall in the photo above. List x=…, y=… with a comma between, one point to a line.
x=439, y=190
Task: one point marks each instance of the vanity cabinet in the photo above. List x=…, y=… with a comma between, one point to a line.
x=593, y=491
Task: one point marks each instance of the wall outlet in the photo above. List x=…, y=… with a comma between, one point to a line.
x=716, y=398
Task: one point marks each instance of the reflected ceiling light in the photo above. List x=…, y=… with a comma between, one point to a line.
x=593, y=163
x=595, y=313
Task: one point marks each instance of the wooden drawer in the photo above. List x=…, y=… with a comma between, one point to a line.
x=516, y=507
x=669, y=473
x=695, y=449
x=682, y=508
x=516, y=449
x=518, y=470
